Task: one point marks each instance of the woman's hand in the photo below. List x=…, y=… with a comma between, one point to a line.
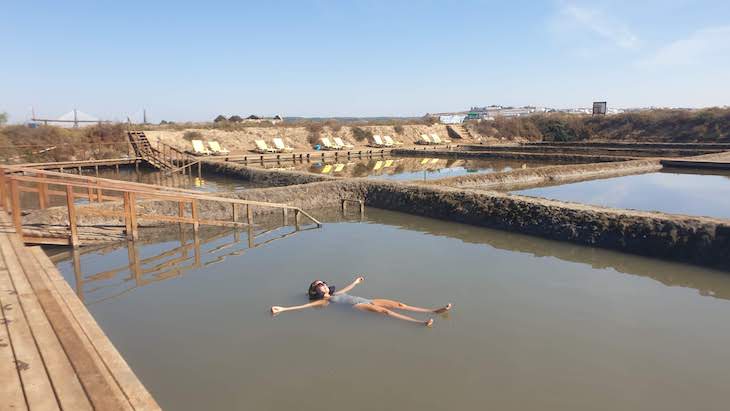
x=276, y=310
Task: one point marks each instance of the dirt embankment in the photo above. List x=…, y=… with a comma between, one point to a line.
x=299, y=138
x=547, y=176
x=699, y=240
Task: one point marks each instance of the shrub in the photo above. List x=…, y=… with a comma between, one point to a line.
x=315, y=132
x=192, y=135
x=220, y=118
x=3, y=118
x=398, y=129
x=361, y=135
x=235, y=119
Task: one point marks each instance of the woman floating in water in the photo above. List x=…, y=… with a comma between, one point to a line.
x=322, y=294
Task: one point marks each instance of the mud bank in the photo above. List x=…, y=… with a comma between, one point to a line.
x=547, y=176
x=507, y=154
x=264, y=177
x=702, y=241
x=631, y=145
x=628, y=151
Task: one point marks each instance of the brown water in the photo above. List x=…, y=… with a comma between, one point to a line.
x=407, y=168
x=536, y=324
x=671, y=191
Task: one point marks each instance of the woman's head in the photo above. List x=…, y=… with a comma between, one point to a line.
x=319, y=289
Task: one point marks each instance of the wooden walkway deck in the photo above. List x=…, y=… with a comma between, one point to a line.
x=53, y=355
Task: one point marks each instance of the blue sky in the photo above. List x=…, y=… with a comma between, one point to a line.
x=193, y=60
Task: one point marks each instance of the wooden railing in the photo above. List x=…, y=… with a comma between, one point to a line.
x=45, y=184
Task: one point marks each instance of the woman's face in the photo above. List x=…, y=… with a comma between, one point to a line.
x=322, y=287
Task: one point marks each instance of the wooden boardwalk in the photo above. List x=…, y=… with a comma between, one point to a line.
x=53, y=355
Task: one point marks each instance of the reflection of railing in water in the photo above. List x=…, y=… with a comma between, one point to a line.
x=169, y=264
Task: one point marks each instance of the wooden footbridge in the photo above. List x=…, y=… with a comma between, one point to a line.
x=53, y=354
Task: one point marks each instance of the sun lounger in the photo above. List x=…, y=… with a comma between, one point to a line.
x=326, y=169
x=378, y=165
x=424, y=140
x=341, y=143
x=327, y=144
x=378, y=142
x=217, y=149
x=262, y=148
x=389, y=141
x=281, y=147
x=199, y=148
x=339, y=167
x=439, y=140
x=388, y=163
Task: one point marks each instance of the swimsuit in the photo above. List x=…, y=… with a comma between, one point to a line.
x=349, y=299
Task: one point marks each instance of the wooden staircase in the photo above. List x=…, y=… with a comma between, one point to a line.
x=143, y=148
x=459, y=131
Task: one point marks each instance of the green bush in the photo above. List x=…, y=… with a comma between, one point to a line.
x=192, y=135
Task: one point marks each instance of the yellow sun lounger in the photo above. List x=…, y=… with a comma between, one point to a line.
x=199, y=148
x=262, y=148
x=217, y=149
x=339, y=167
x=281, y=147
x=378, y=165
x=326, y=169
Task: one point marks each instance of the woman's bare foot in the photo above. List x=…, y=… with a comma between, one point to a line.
x=429, y=323
x=443, y=309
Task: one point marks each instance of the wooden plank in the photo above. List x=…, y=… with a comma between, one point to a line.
x=135, y=392
x=66, y=385
x=11, y=389
x=90, y=374
x=35, y=380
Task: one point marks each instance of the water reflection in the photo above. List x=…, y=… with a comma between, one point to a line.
x=170, y=258
x=406, y=168
x=670, y=191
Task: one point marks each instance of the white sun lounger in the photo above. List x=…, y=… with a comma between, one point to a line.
x=439, y=140
x=199, y=148
x=424, y=140
x=262, y=148
x=341, y=143
x=378, y=142
x=216, y=148
x=281, y=147
x=389, y=140
x=327, y=144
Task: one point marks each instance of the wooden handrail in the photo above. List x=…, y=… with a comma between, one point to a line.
x=11, y=176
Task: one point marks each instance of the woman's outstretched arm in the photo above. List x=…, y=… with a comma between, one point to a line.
x=352, y=285
x=277, y=309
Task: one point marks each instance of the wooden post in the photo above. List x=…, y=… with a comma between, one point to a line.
x=181, y=212
x=134, y=264
x=99, y=197
x=284, y=217
x=200, y=174
x=196, y=248
x=15, y=203
x=130, y=215
x=116, y=166
x=72, y=215
x=96, y=170
x=234, y=212
x=3, y=190
x=249, y=215
x=362, y=208
x=196, y=220
x=78, y=275
x=296, y=218
x=344, y=207
x=42, y=193
x=251, y=237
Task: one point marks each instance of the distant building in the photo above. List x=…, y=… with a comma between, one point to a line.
x=260, y=119
x=452, y=119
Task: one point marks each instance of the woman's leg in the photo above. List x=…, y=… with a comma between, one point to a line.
x=391, y=304
x=382, y=310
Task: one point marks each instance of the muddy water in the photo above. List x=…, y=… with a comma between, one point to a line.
x=670, y=191
x=536, y=325
x=208, y=182
x=394, y=168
